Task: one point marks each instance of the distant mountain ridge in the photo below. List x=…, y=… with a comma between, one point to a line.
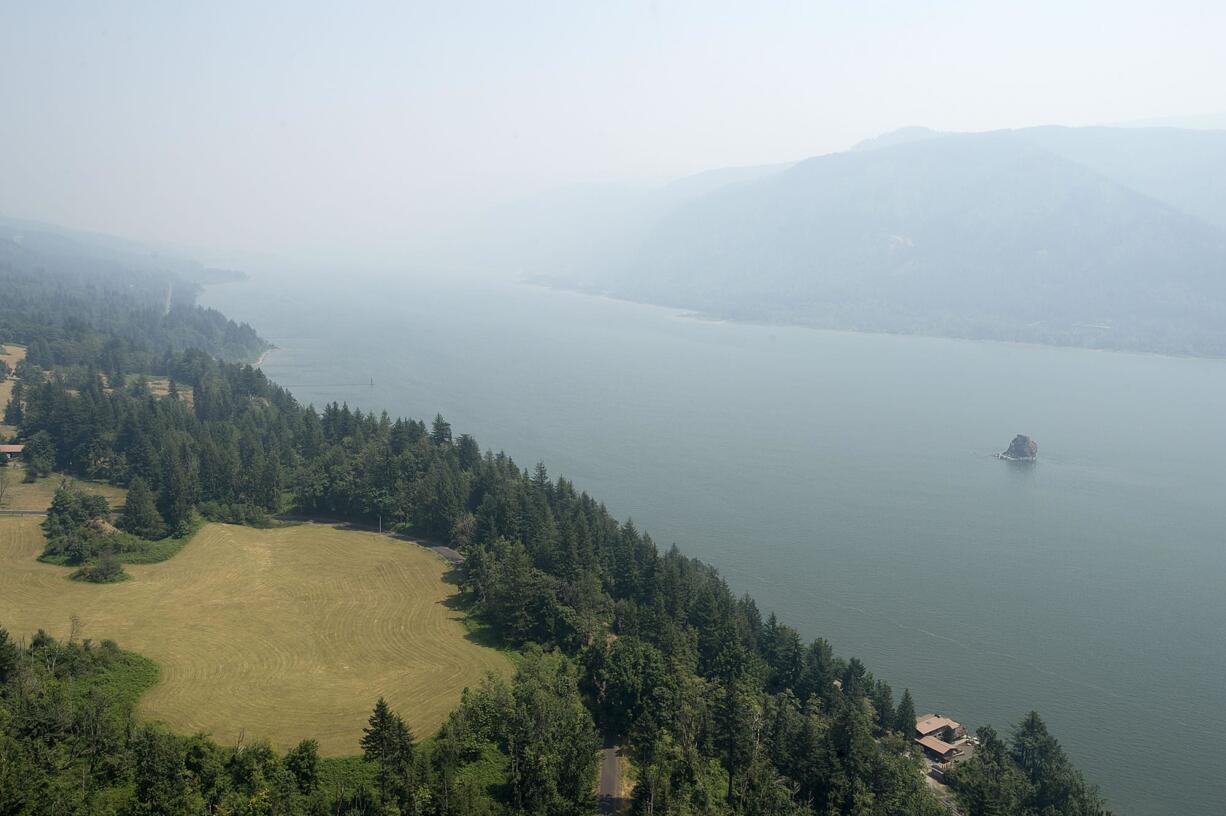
x=1099, y=237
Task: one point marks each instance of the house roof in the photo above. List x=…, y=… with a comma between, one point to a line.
x=12, y=448
x=931, y=723
x=937, y=746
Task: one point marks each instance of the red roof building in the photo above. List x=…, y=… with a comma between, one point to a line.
x=938, y=749
x=934, y=725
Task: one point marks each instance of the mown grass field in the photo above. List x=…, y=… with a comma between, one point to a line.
x=37, y=495
x=281, y=634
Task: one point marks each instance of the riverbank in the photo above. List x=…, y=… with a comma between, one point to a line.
x=862, y=471
x=687, y=312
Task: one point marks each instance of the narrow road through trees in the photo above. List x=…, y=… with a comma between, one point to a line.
x=609, y=789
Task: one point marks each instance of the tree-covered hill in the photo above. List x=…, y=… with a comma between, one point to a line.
x=91, y=300
x=1099, y=237
x=977, y=235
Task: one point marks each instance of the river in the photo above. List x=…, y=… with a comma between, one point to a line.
x=846, y=481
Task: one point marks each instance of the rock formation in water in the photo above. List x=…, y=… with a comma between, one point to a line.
x=1021, y=449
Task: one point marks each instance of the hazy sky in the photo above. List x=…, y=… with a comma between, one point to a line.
x=359, y=128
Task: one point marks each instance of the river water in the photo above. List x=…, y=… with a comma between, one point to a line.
x=846, y=481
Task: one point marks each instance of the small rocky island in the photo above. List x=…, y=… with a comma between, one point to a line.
x=1021, y=449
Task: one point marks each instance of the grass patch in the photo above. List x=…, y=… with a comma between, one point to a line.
x=160, y=387
x=627, y=777
x=476, y=630
x=282, y=634
x=122, y=681
x=37, y=495
x=483, y=634
x=155, y=552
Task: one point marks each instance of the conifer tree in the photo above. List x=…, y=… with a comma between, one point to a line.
x=883, y=706
x=904, y=720
x=440, y=433
x=140, y=514
x=8, y=655
x=179, y=491
x=389, y=744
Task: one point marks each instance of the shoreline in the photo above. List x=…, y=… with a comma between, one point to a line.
x=688, y=313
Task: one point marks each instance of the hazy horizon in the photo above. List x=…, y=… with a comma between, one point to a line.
x=299, y=132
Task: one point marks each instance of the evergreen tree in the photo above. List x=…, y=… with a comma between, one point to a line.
x=468, y=453
x=140, y=515
x=12, y=411
x=904, y=719
x=180, y=489
x=39, y=455
x=9, y=655
x=989, y=784
x=1034, y=750
x=388, y=743
x=440, y=431
x=736, y=715
x=884, y=714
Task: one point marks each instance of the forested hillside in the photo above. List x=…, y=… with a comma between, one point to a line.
x=75, y=301
x=1099, y=237
x=723, y=710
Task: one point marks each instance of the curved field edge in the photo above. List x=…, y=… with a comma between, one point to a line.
x=281, y=634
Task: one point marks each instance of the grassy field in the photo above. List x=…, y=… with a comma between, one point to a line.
x=12, y=355
x=160, y=387
x=20, y=495
x=280, y=634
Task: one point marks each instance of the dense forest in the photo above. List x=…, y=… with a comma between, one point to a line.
x=77, y=308
x=723, y=710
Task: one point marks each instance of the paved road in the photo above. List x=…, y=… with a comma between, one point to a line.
x=609, y=789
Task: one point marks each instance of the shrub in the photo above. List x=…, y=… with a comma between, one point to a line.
x=106, y=570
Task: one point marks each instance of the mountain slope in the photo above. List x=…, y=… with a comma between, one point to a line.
x=1184, y=168
x=111, y=285
x=982, y=235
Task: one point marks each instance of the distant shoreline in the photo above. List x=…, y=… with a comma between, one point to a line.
x=688, y=313
x=260, y=360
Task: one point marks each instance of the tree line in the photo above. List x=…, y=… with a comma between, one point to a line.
x=71, y=744
x=89, y=312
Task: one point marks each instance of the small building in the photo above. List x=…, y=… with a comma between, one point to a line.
x=938, y=749
x=10, y=452
x=943, y=728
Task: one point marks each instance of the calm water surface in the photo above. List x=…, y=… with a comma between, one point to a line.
x=845, y=481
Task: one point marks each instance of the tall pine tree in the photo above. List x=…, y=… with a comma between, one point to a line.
x=904, y=719
x=389, y=744
x=140, y=515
